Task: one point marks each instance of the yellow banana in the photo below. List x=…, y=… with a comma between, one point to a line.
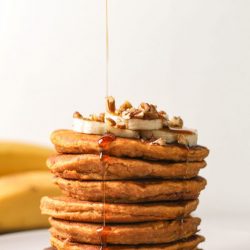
x=20, y=196
x=18, y=157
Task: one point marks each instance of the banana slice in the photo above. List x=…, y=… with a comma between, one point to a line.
x=136, y=124
x=141, y=124
x=89, y=127
x=183, y=136
x=120, y=132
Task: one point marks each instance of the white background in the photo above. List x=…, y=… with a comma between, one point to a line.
x=191, y=57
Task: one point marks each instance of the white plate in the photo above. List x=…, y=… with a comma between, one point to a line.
x=28, y=240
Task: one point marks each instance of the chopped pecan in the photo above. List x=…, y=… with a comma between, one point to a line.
x=159, y=141
x=77, y=115
x=127, y=114
x=144, y=106
x=121, y=126
x=163, y=115
x=175, y=122
x=150, y=111
x=110, y=104
x=125, y=106
x=97, y=118
x=137, y=114
x=110, y=121
x=181, y=139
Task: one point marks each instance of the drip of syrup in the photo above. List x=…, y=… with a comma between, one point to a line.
x=107, y=51
x=104, y=143
x=181, y=224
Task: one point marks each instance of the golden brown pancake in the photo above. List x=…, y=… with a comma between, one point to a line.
x=188, y=244
x=133, y=191
x=83, y=211
x=68, y=141
x=87, y=167
x=137, y=233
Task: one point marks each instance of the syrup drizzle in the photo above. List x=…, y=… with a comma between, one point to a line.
x=107, y=50
x=104, y=143
x=181, y=222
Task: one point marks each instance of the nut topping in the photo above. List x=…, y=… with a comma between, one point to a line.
x=144, y=106
x=110, y=104
x=97, y=118
x=163, y=115
x=125, y=106
x=181, y=139
x=77, y=115
x=144, y=122
x=175, y=122
x=121, y=126
x=110, y=121
x=159, y=141
x=137, y=114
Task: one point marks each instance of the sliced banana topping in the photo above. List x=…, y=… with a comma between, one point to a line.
x=89, y=127
x=121, y=132
x=135, y=123
x=143, y=122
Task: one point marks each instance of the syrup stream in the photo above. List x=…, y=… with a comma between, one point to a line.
x=104, y=143
x=107, y=50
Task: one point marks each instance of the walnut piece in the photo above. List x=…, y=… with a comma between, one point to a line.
x=137, y=114
x=144, y=106
x=144, y=111
x=125, y=106
x=163, y=115
x=110, y=122
x=97, y=118
x=110, y=104
x=150, y=111
x=77, y=115
x=181, y=139
x=175, y=122
x=159, y=141
x=127, y=114
x=121, y=126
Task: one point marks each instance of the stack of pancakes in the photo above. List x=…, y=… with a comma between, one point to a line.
x=139, y=197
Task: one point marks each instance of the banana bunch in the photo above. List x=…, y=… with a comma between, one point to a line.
x=19, y=157
x=24, y=179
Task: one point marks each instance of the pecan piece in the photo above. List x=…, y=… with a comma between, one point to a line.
x=175, y=122
x=110, y=122
x=110, y=104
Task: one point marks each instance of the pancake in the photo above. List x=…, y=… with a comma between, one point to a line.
x=133, y=191
x=188, y=244
x=87, y=167
x=83, y=211
x=68, y=141
x=138, y=233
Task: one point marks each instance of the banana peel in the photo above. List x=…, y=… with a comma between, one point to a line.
x=20, y=196
x=16, y=157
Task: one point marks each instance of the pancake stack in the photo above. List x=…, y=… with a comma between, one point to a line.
x=125, y=193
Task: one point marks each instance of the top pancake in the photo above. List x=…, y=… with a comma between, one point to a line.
x=68, y=141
